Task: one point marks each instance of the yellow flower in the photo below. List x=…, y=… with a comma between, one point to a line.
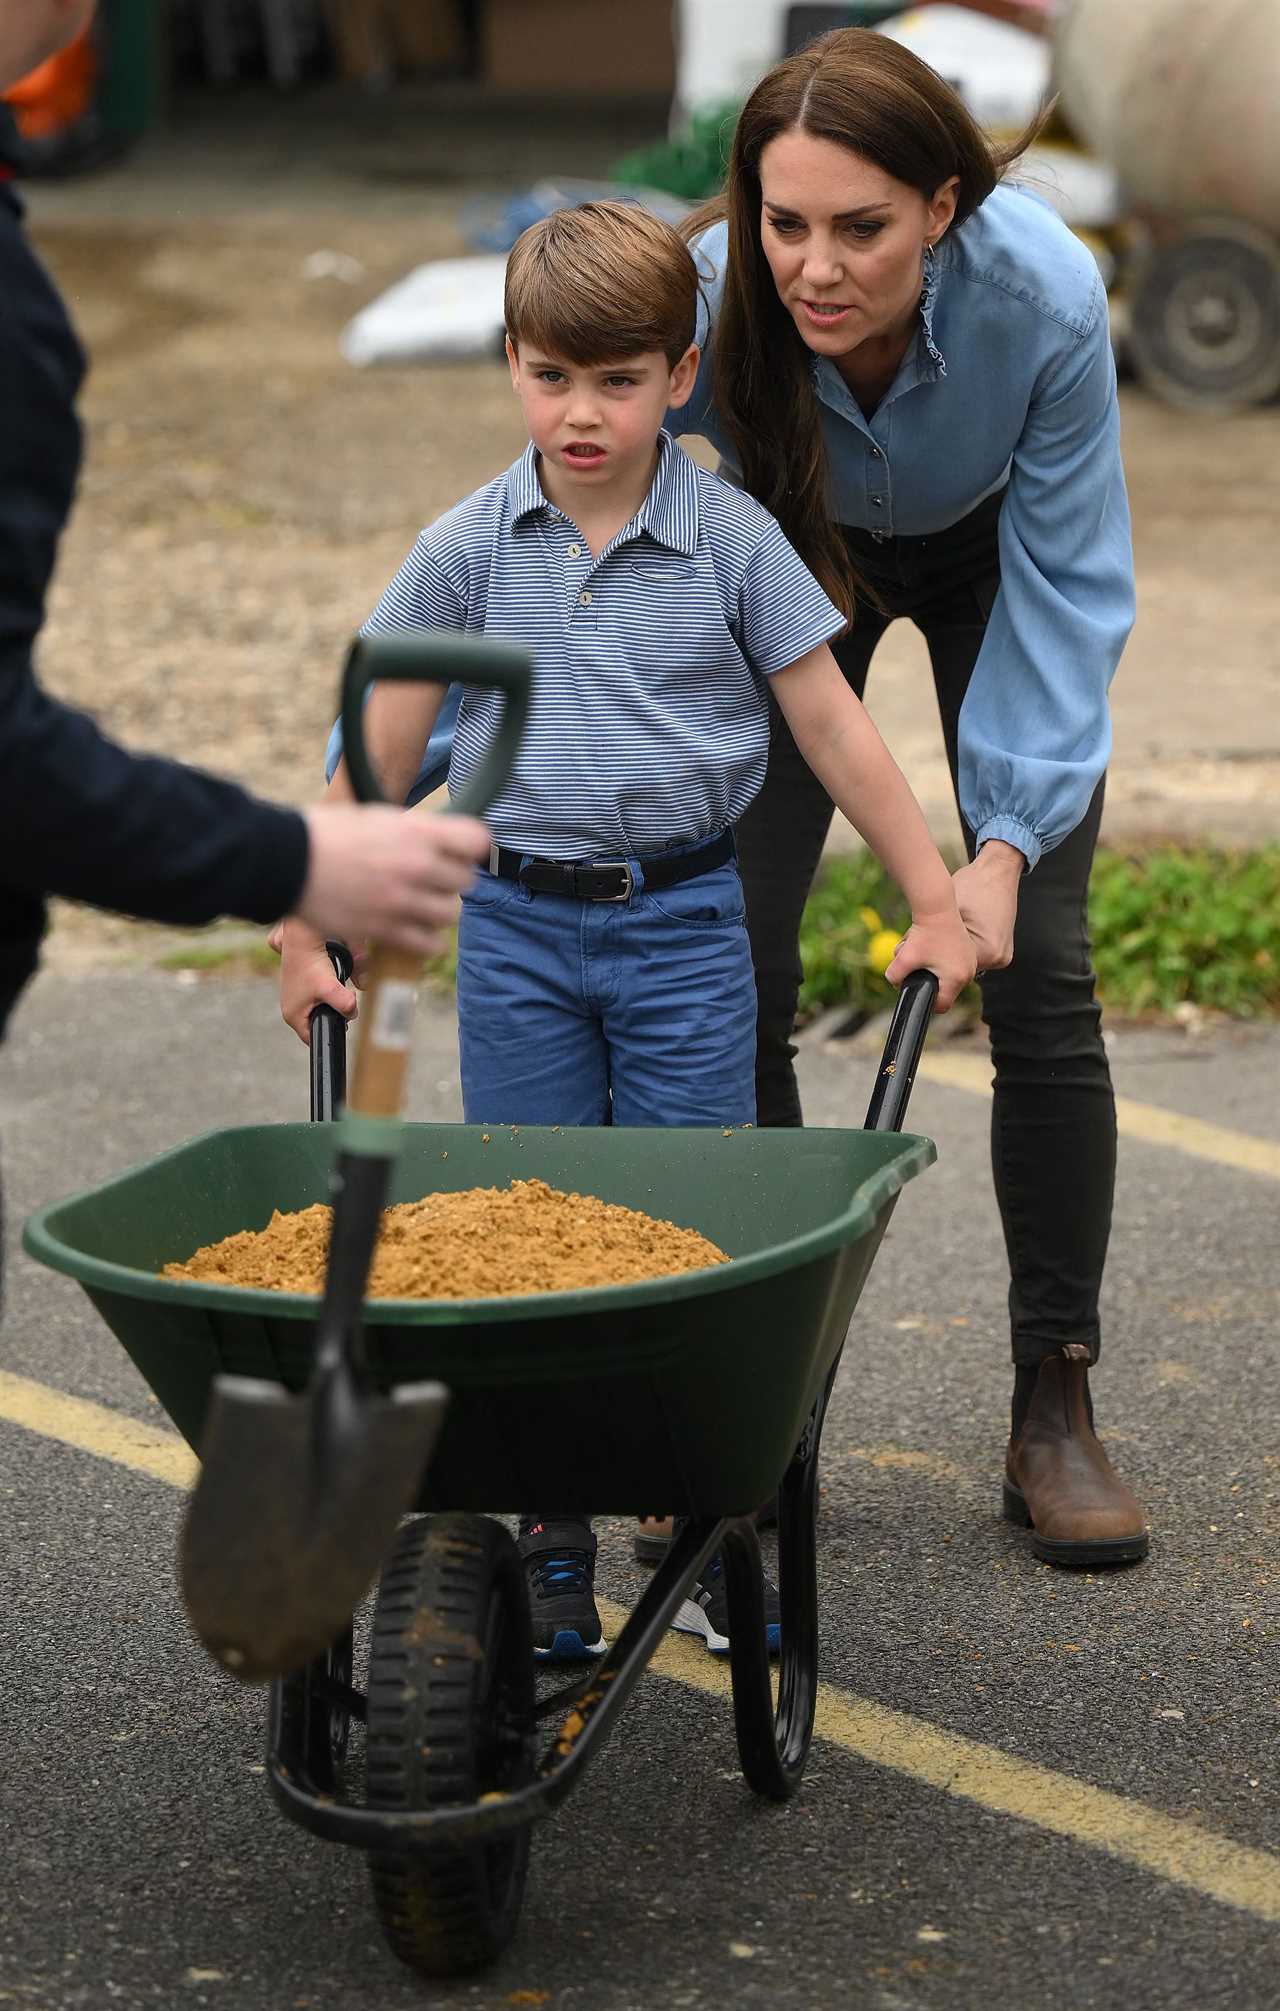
x=882, y=949
x=870, y=920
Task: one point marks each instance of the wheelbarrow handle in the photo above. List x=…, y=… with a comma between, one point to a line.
x=903, y=1048
x=329, y=1046
x=415, y=656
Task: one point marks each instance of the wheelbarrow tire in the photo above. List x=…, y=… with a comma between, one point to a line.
x=313, y=1724
x=773, y=1743
x=450, y=1697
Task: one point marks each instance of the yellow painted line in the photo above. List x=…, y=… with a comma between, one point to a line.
x=91, y=1427
x=1179, y=1852
x=1182, y=1853
x=1147, y=1122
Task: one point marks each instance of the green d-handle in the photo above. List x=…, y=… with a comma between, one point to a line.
x=438, y=656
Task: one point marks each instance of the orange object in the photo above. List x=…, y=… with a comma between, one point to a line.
x=57, y=94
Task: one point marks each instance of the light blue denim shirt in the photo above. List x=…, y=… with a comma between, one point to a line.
x=1011, y=379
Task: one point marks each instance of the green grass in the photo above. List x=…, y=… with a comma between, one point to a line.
x=224, y=959
x=1200, y=927
x=1171, y=926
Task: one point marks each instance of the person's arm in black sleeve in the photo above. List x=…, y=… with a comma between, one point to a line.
x=78, y=815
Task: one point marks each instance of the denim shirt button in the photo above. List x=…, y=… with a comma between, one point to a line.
x=876, y=454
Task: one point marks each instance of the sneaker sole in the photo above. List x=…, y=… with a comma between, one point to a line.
x=570, y=1647
x=690, y=1619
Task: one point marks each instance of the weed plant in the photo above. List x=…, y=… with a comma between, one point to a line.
x=1171, y=926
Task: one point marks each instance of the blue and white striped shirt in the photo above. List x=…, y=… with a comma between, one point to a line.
x=649, y=721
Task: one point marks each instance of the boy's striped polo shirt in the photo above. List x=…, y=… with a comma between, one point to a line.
x=649, y=723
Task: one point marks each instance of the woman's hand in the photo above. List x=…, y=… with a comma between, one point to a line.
x=987, y=897
x=939, y=943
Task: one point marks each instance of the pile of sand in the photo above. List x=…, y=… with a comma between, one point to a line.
x=486, y=1242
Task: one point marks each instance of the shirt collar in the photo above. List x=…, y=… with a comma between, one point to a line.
x=928, y=303
x=525, y=490
x=670, y=510
x=669, y=513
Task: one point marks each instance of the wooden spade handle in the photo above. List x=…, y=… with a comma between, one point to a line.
x=385, y=1033
x=390, y=992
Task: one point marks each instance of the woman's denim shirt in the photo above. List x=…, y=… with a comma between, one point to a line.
x=1011, y=380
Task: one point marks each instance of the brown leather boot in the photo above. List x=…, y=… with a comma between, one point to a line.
x=1059, y=1481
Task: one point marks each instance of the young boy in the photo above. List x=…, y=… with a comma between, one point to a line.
x=604, y=974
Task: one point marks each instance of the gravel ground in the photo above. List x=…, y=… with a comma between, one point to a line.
x=147, y=1868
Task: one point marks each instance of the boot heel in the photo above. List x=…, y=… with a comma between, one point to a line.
x=1015, y=1508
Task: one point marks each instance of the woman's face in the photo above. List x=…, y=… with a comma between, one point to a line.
x=845, y=241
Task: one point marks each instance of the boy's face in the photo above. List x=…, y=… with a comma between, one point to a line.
x=595, y=424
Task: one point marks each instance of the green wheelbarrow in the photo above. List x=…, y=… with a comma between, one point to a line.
x=604, y=1399
x=696, y=1395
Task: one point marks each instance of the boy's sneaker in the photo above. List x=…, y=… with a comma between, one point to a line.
x=706, y=1611
x=559, y=1555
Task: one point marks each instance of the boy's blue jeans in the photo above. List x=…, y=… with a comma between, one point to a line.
x=590, y=1012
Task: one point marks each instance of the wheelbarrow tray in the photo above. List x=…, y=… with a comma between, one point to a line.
x=684, y=1394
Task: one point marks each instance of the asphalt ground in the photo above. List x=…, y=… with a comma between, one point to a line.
x=1030, y=1787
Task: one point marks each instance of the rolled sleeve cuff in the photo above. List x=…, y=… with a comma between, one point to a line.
x=1011, y=831
x=800, y=642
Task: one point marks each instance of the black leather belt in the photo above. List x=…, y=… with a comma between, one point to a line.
x=608, y=879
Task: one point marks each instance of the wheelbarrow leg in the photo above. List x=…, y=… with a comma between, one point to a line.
x=773, y=1744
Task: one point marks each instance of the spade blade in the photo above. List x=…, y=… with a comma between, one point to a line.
x=294, y=1511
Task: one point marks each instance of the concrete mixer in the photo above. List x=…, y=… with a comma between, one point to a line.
x=1180, y=97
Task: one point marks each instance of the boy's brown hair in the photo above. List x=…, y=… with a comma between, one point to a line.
x=602, y=282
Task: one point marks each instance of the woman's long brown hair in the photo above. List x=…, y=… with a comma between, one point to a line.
x=871, y=95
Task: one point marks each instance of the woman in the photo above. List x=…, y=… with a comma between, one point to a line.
x=908, y=362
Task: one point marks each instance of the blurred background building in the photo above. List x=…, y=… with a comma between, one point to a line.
x=1163, y=152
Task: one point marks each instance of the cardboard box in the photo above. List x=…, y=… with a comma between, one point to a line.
x=374, y=39
x=579, y=48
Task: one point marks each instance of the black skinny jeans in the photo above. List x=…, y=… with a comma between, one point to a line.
x=1053, y=1131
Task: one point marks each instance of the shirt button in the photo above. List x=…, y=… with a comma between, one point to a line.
x=584, y=600
x=575, y=551
x=876, y=503
x=876, y=455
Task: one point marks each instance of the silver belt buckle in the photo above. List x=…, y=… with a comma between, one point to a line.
x=616, y=900
x=493, y=859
